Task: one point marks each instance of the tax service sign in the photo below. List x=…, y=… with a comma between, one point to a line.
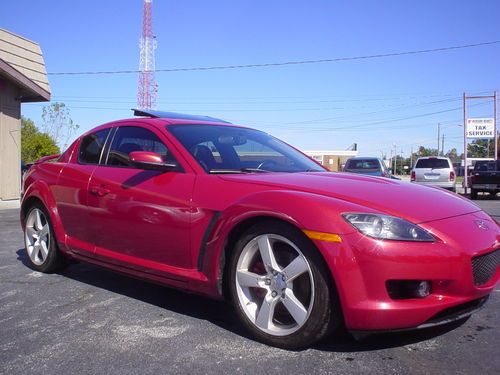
x=480, y=128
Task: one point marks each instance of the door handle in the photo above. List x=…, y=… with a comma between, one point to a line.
x=99, y=191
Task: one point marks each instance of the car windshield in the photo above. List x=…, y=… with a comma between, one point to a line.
x=362, y=164
x=228, y=149
x=432, y=163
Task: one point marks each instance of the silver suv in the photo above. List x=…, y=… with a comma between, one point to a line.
x=434, y=171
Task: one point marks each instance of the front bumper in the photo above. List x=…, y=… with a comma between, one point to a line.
x=361, y=266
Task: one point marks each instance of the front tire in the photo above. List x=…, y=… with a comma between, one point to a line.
x=40, y=242
x=281, y=287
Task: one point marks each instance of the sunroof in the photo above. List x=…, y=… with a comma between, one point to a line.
x=174, y=115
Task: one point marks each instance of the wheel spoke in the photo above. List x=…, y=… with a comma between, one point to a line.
x=38, y=220
x=296, y=268
x=44, y=250
x=267, y=254
x=44, y=231
x=32, y=233
x=266, y=312
x=249, y=279
x=294, y=307
x=34, y=253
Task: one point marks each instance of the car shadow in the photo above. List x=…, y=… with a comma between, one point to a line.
x=221, y=313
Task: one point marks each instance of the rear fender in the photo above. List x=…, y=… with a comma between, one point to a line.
x=41, y=191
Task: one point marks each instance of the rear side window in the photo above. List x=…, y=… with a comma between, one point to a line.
x=363, y=164
x=433, y=163
x=489, y=166
x=133, y=138
x=91, y=147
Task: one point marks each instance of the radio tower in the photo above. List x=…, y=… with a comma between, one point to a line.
x=146, y=94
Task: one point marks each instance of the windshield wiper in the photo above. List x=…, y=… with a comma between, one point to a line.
x=241, y=170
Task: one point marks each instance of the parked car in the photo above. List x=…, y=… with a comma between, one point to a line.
x=233, y=213
x=367, y=165
x=434, y=171
x=485, y=178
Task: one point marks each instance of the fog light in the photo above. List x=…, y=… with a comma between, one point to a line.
x=423, y=289
x=404, y=289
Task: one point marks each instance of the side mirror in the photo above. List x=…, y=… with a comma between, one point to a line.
x=150, y=161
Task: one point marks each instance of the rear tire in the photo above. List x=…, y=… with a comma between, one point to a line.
x=40, y=241
x=281, y=288
x=473, y=194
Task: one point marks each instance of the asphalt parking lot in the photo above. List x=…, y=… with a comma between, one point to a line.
x=89, y=320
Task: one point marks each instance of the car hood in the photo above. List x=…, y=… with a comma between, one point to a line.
x=412, y=202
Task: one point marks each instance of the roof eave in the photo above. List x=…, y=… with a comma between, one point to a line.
x=34, y=93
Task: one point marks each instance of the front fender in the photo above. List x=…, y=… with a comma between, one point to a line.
x=300, y=209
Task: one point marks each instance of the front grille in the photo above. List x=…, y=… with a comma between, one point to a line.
x=485, y=266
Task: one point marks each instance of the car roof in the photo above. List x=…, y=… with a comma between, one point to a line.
x=176, y=116
x=433, y=157
x=160, y=119
x=364, y=158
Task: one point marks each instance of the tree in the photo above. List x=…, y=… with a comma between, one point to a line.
x=57, y=123
x=481, y=148
x=35, y=144
x=454, y=156
x=423, y=151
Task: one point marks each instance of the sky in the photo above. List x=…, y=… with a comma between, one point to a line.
x=378, y=103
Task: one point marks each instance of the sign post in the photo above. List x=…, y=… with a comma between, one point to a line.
x=479, y=128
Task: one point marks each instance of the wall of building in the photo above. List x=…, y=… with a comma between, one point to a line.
x=10, y=141
x=333, y=160
x=25, y=56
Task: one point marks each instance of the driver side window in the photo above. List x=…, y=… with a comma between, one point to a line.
x=133, y=138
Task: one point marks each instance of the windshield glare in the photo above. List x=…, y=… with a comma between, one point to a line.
x=223, y=149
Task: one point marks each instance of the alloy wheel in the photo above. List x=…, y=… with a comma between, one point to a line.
x=37, y=236
x=274, y=284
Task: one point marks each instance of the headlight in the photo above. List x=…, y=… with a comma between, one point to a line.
x=388, y=227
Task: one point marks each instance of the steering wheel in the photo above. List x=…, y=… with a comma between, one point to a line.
x=266, y=164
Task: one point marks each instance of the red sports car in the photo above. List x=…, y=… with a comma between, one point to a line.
x=230, y=212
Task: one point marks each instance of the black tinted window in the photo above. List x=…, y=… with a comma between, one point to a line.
x=487, y=166
x=432, y=163
x=363, y=164
x=132, y=138
x=91, y=147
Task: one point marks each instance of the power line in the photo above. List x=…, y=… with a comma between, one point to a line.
x=299, y=62
x=380, y=122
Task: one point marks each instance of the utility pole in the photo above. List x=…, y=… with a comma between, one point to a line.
x=439, y=130
x=401, y=167
x=442, y=146
x=411, y=158
x=395, y=158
